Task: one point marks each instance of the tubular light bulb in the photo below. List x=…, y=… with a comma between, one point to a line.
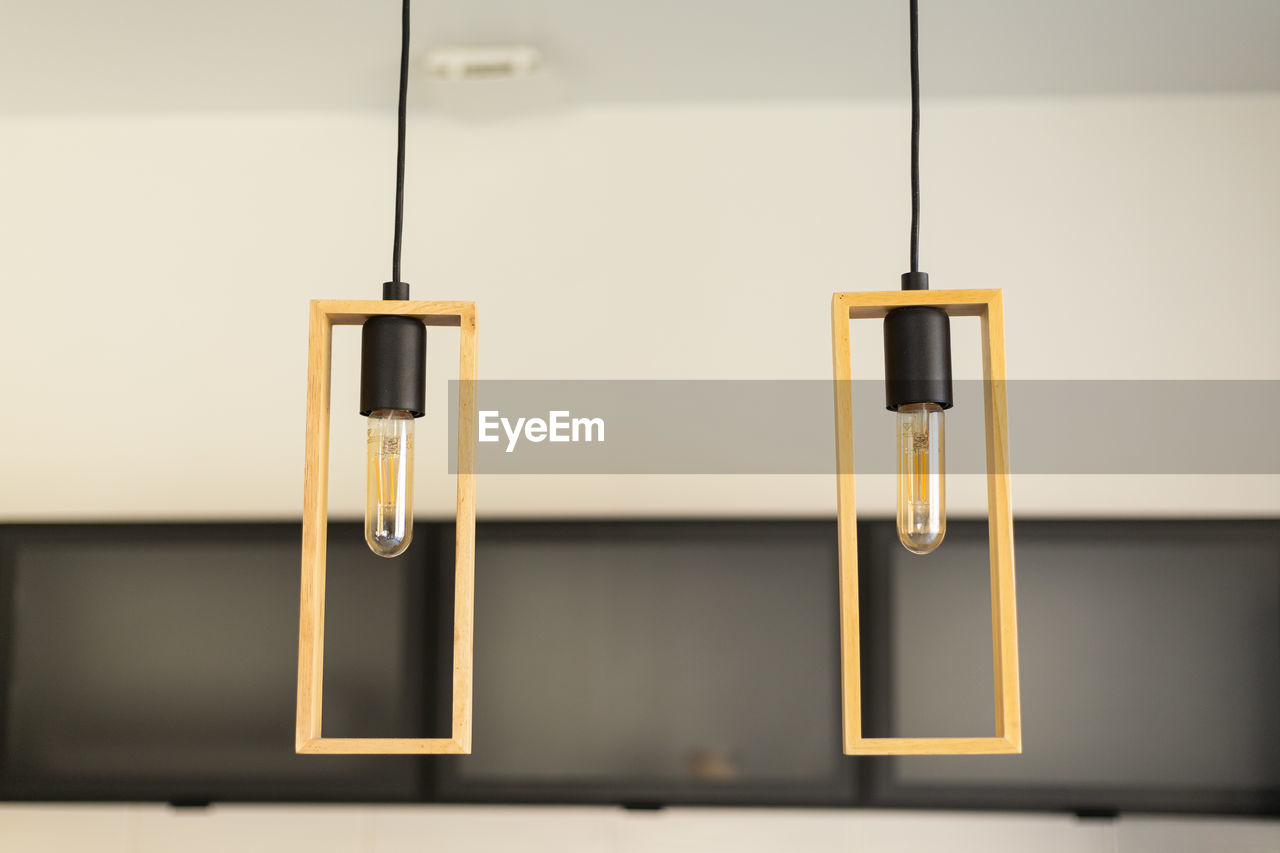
x=922, y=498
x=388, y=507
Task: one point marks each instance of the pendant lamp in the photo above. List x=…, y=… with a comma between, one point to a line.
x=917, y=352
x=392, y=396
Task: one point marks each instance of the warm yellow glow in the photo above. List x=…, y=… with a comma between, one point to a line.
x=922, y=513
x=388, y=509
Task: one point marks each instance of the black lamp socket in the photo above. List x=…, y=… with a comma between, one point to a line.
x=917, y=352
x=393, y=360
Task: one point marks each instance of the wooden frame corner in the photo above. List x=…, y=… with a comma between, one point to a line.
x=988, y=306
x=325, y=314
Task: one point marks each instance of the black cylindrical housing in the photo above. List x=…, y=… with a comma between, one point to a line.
x=395, y=290
x=910, y=281
x=917, y=357
x=393, y=365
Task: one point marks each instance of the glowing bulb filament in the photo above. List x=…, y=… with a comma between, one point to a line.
x=922, y=520
x=388, y=511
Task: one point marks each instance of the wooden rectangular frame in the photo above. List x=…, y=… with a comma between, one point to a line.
x=988, y=306
x=325, y=314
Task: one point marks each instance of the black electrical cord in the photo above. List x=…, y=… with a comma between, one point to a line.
x=915, y=137
x=404, y=88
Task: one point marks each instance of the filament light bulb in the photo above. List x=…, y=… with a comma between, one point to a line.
x=388, y=509
x=922, y=497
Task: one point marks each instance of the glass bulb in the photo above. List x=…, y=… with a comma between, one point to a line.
x=388, y=505
x=922, y=497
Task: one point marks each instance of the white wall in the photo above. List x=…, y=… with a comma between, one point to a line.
x=389, y=829
x=156, y=272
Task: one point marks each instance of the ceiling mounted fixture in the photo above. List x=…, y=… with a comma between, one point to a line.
x=392, y=395
x=489, y=62
x=918, y=388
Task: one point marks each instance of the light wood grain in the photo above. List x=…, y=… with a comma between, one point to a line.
x=935, y=746
x=847, y=528
x=315, y=510
x=873, y=305
x=382, y=746
x=988, y=306
x=1004, y=608
x=347, y=312
x=315, y=500
x=465, y=535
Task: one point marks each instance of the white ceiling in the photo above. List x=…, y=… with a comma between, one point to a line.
x=168, y=55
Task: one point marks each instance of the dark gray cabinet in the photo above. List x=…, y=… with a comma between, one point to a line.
x=645, y=663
